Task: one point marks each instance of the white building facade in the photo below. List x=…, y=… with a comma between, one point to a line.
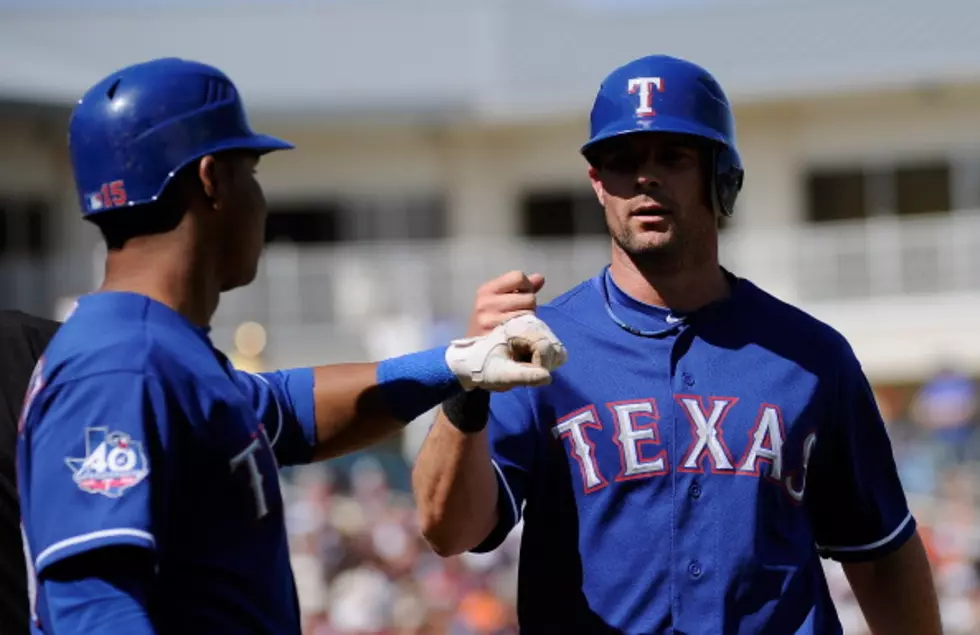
x=438, y=147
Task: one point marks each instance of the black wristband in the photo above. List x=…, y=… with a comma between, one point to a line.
x=468, y=411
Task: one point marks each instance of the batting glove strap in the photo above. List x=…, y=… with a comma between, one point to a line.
x=469, y=411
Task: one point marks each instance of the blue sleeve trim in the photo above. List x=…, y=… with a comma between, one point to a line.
x=415, y=383
x=300, y=384
x=873, y=551
x=91, y=541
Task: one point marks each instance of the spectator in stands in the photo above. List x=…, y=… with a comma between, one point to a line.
x=362, y=568
x=947, y=406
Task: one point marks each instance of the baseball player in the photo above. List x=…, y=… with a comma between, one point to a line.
x=705, y=445
x=23, y=338
x=147, y=464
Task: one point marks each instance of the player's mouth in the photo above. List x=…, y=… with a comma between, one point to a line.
x=651, y=212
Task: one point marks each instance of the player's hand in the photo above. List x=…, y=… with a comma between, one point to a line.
x=520, y=352
x=504, y=297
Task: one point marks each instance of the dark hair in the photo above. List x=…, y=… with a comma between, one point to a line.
x=120, y=225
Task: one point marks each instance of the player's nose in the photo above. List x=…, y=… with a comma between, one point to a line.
x=648, y=178
x=649, y=173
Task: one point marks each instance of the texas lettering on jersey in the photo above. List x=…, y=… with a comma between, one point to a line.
x=634, y=430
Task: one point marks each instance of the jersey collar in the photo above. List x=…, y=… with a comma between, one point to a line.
x=648, y=320
x=126, y=305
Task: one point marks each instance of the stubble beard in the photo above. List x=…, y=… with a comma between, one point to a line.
x=662, y=257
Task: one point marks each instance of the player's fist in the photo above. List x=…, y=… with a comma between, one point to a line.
x=520, y=352
x=502, y=298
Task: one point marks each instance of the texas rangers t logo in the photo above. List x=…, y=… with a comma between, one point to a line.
x=112, y=464
x=646, y=87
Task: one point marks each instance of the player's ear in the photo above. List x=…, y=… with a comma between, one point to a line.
x=600, y=192
x=207, y=174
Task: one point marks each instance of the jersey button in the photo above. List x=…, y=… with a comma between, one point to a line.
x=695, y=490
x=688, y=379
x=695, y=569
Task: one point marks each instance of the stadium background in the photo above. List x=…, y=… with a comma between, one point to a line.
x=437, y=147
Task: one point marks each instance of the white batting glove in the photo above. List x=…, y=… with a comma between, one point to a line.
x=520, y=352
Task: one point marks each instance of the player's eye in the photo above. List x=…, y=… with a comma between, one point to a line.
x=676, y=156
x=624, y=160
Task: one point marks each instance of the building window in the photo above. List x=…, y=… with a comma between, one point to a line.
x=903, y=189
x=365, y=220
x=303, y=224
x=922, y=189
x=836, y=195
x=23, y=227
x=561, y=213
x=25, y=266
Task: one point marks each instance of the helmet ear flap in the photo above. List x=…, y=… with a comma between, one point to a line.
x=728, y=178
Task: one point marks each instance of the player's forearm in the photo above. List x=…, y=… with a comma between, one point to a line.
x=356, y=405
x=350, y=409
x=896, y=593
x=455, y=488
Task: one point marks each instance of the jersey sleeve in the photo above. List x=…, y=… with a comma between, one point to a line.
x=86, y=460
x=513, y=446
x=853, y=493
x=99, y=594
x=283, y=401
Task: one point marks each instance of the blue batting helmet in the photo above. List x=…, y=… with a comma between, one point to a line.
x=660, y=93
x=133, y=130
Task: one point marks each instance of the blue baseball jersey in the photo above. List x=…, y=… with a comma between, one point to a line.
x=137, y=431
x=685, y=474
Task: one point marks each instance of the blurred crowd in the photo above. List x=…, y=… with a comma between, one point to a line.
x=362, y=568
x=935, y=434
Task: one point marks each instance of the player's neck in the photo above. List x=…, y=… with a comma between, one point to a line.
x=166, y=273
x=681, y=289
